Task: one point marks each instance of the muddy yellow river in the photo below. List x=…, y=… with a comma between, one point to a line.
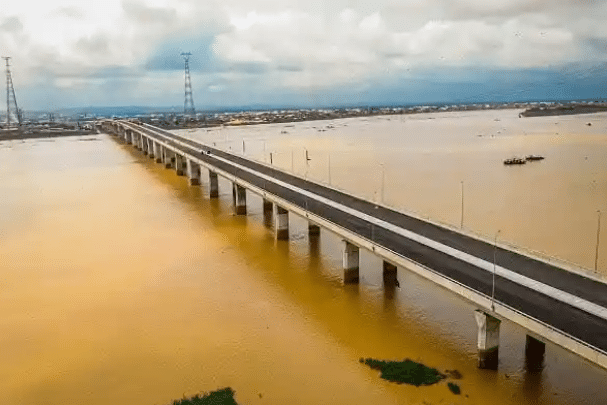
x=121, y=284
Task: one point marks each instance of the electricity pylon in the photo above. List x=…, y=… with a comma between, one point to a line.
x=188, y=104
x=10, y=95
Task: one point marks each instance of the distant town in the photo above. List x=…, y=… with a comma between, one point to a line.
x=76, y=122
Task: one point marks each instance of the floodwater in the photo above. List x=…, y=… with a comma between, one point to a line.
x=121, y=284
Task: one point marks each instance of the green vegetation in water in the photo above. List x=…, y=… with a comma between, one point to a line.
x=224, y=396
x=454, y=388
x=405, y=372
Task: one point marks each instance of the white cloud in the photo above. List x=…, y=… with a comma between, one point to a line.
x=294, y=45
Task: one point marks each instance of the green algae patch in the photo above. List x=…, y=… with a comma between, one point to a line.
x=405, y=372
x=224, y=396
x=454, y=388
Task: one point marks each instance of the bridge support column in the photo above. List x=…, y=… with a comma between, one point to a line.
x=534, y=354
x=158, y=152
x=213, y=185
x=267, y=205
x=488, y=340
x=389, y=273
x=313, y=229
x=351, y=262
x=179, y=163
x=128, y=137
x=239, y=194
x=193, y=172
x=281, y=223
x=144, y=145
x=170, y=159
x=151, y=148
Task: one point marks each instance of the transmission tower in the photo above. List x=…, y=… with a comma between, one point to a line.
x=188, y=104
x=10, y=95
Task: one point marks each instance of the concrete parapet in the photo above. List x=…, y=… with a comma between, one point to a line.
x=281, y=223
x=351, y=262
x=488, y=340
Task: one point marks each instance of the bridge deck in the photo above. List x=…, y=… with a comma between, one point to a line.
x=382, y=225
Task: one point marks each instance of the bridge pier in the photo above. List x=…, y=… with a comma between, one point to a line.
x=193, y=171
x=213, y=185
x=150, y=148
x=313, y=229
x=267, y=205
x=239, y=195
x=158, y=152
x=389, y=274
x=169, y=158
x=534, y=353
x=144, y=145
x=281, y=223
x=179, y=163
x=488, y=340
x=351, y=262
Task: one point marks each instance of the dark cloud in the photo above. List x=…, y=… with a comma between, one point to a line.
x=167, y=55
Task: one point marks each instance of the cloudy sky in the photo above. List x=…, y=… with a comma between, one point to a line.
x=307, y=53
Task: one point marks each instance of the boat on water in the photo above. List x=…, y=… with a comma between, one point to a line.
x=515, y=161
x=534, y=157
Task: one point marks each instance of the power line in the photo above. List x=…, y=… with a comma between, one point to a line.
x=10, y=91
x=188, y=104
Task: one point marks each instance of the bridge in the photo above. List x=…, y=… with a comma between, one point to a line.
x=549, y=300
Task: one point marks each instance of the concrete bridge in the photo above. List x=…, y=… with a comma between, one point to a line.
x=551, y=301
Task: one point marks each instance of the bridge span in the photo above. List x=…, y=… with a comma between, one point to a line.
x=546, y=298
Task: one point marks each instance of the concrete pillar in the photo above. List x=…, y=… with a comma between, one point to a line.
x=239, y=193
x=151, y=148
x=213, y=185
x=144, y=145
x=179, y=162
x=193, y=171
x=158, y=152
x=389, y=273
x=281, y=223
x=169, y=158
x=313, y=229
x=534, y=354
x=267, y=205
x=488, y=340
x=351, y=262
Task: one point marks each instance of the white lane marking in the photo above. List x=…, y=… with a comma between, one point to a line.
x=550, y=291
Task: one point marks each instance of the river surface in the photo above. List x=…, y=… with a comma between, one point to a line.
x=121, y=284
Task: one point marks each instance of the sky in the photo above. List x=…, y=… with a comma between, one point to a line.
x=309, y=53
